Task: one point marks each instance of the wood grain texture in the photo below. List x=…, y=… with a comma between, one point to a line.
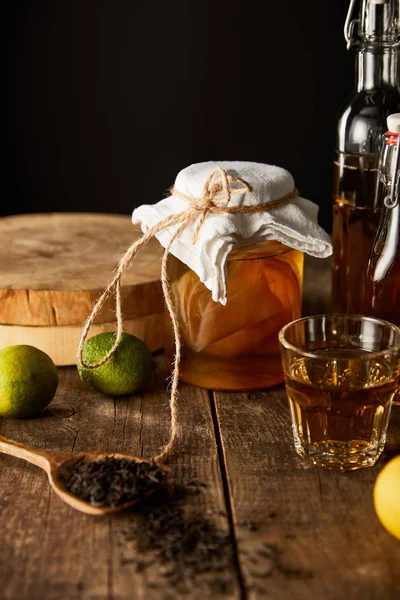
x=60, y=342
x=54, y=266
x=48, y=550
x=301, y=532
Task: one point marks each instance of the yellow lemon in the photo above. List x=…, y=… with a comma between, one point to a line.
x=387, y=496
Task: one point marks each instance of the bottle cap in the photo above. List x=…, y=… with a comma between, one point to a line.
x=393, y=123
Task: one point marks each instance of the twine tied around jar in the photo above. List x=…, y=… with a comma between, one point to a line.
x=216, y=195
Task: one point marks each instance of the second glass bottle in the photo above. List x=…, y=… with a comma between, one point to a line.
x=360, y=129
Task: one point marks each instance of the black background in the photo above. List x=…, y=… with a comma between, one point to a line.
x=106, y=100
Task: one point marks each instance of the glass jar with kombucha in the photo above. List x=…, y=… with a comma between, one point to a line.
x=235, y=347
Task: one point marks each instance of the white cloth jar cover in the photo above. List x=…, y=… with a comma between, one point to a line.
x=291, y=223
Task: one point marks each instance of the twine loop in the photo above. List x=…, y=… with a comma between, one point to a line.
x=215, y=198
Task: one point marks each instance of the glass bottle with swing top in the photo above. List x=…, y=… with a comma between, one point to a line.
x=375, y=33
x=383, y=274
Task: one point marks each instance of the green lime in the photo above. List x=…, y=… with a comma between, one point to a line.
x=128, y=369
x=28, y=381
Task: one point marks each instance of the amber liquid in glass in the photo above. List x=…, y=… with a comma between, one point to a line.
x=355, y=220
x=235, y=347
x=340, y=407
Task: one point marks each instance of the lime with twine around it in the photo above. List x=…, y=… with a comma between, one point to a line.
x=126, y=371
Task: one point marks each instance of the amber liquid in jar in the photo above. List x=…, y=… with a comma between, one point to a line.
x=235, y=347
x=355, y=220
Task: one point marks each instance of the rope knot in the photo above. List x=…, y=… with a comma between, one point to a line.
x=216, y=195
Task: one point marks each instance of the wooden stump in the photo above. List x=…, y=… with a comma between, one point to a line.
x=54, y=266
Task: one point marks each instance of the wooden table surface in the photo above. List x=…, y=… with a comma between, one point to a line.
x=288, y=530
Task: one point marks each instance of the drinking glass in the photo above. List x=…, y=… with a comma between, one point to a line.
x=341, y=373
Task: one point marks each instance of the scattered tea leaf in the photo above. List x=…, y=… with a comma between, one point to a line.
x=190, y=549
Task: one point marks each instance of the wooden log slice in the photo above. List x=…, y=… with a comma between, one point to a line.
x=60, y=342
x=54, y=266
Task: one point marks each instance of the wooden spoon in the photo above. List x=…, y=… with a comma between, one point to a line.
x=57, y=463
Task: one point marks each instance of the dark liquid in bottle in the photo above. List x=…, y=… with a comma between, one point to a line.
x=355, y=220
x=384, y=293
